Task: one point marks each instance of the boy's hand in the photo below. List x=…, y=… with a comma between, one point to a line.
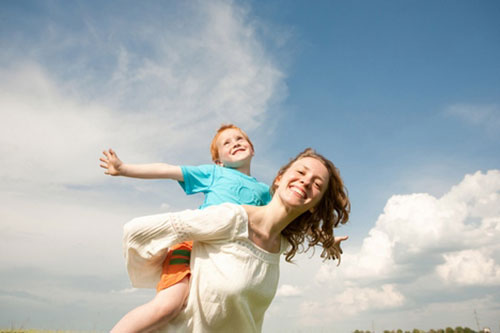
x=111, y=163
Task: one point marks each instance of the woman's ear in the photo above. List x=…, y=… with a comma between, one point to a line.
x=277, y=181
x=276, y=184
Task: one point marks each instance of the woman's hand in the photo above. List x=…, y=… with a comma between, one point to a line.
x=111, y=163
x=334, y=251
x=339, y=240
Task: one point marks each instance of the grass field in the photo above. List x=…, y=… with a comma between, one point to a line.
x=22, y=330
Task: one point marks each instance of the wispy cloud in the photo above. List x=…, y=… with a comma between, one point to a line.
x=486, y=116
x=288, y=290
x=349, y=302
x=154, y=84
x=198, y=73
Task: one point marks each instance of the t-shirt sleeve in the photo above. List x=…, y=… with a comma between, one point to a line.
x=197, y=178
x=266, y=196
x=146, y=239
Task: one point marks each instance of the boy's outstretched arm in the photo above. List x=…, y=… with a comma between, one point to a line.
x=115, y=167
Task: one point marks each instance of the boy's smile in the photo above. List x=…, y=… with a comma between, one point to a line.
x=238, y=149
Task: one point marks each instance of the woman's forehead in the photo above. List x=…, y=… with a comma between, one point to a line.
x=313, y=164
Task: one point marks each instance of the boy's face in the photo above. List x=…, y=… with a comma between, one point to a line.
x=234, y=150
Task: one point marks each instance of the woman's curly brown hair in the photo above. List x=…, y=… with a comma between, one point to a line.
x=333, y=208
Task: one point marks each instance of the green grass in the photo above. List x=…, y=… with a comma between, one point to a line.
x=22, y=330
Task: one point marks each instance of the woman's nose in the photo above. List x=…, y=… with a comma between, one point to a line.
x=306, y=181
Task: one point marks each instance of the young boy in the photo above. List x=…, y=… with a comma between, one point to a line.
x=228, y=180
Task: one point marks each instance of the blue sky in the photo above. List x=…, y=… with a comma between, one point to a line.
x=403, y=96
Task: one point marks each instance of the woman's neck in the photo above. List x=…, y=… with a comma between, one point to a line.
x=266, y=223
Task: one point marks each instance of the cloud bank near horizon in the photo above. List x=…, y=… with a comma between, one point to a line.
x=424, y=253
x=421, y=246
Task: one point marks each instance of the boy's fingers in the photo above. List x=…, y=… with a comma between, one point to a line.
x=105, y=152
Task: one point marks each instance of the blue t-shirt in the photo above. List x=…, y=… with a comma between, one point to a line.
x=221, y=184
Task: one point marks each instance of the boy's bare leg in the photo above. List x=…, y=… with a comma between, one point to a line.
x=158, y=312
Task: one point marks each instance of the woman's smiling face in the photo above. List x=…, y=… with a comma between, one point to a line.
x=303, y=184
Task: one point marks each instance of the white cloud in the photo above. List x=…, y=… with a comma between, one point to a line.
x=412, y=226
x=288, y=290
x=354, y=300
x=126, y=291
x=423, y=243
x=469, y=267
x=350, y=302
x=479, y=193
x=47, y=137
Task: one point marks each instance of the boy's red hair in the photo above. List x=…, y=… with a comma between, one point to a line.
x=213, y=146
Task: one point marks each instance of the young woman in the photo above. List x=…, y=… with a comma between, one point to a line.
x=235, y=257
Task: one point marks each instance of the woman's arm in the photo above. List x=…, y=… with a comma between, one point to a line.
x=146, y=239
x=115, y=167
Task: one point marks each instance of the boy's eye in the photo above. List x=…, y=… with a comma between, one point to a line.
x=300, y=172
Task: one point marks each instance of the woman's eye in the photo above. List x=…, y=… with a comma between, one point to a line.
x=300, y=172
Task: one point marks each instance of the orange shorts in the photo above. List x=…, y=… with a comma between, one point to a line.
x=176, y=265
